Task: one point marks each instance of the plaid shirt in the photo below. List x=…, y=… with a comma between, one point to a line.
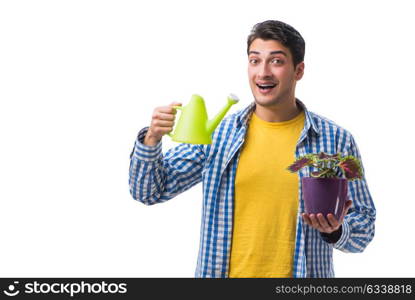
x=155, y=178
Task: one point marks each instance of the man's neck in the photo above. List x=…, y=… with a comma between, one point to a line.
x=278, y=113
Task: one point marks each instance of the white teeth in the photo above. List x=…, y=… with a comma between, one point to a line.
x=266, y=85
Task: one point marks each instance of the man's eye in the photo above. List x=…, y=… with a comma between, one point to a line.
x=277, y=61
x=253, y=61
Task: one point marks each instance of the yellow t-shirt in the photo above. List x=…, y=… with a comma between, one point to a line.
x=266, y=200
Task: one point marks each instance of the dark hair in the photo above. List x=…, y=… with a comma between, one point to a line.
x=281, y=32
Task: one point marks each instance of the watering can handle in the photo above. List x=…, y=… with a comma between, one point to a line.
x=179, y=108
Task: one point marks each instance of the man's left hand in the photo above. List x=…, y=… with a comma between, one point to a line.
x=329, y=224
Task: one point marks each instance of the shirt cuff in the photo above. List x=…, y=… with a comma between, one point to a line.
x=144, y=152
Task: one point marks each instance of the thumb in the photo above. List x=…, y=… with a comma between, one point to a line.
x=348, y=204
x=175, y=103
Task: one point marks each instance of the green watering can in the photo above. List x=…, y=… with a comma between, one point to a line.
x=193, y=126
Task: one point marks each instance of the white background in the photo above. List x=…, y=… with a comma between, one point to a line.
x=78, y=79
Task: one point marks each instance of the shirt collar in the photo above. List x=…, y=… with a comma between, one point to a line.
x=244, y=116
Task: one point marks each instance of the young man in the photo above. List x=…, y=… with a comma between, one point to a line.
x=253, y=221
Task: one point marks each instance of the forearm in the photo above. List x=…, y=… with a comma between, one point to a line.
x=154, y=178
x=358, y=231
x=145, y=178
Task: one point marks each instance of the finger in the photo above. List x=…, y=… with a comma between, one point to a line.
x=333, y=221
x=324, y=224
x=314, y=223
x=162, y=123
x=164, y=116
x=306, y=219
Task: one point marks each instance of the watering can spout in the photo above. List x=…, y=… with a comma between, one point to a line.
x=212, y=124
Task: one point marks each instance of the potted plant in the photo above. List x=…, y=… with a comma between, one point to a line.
x=324, y=192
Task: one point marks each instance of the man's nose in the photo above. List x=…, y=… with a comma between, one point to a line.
x=265, y=70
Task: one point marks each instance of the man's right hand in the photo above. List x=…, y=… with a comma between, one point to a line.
x=162, y=122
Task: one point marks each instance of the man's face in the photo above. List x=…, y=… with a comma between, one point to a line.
x=271, y=72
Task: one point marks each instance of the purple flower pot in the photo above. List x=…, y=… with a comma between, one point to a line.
x=324, y=195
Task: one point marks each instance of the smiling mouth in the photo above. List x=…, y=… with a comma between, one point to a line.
x=265, y=87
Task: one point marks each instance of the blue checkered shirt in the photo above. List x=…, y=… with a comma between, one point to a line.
x=155, y=178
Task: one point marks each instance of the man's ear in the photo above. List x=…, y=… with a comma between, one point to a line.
x=299, y=71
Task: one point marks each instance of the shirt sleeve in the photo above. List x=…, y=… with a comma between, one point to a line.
x=155, y=178
x=358, y=228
